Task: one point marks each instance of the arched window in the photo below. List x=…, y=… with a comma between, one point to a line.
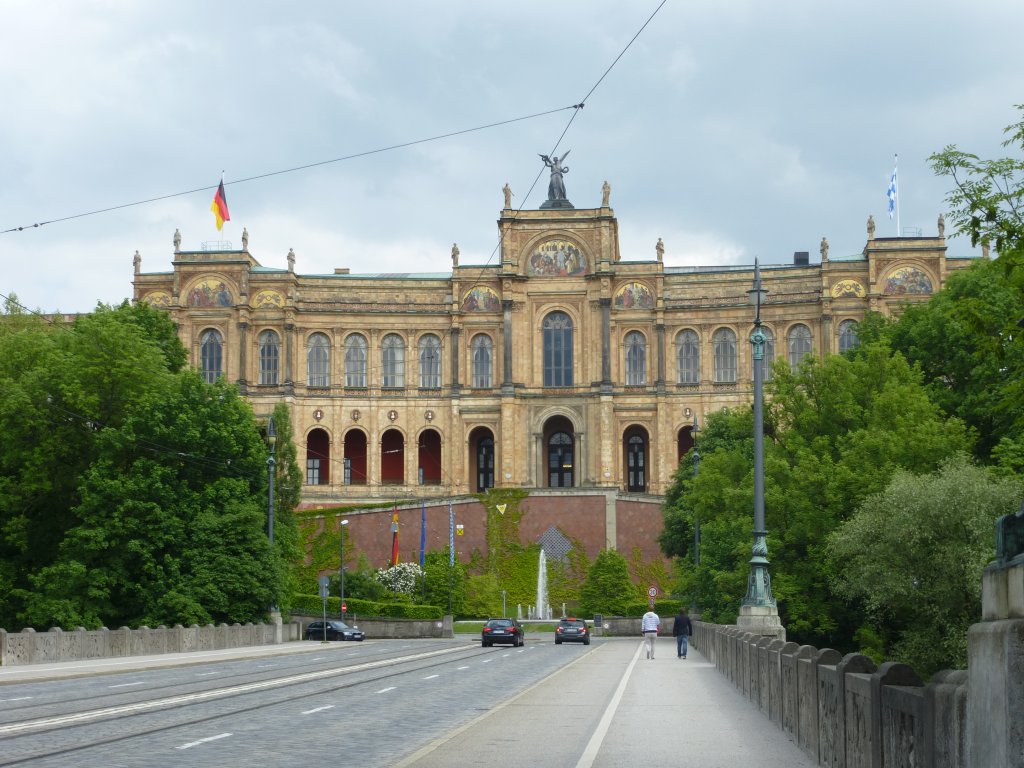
x=355, y=360
x=636, y=359
x=482, y=348
x=430, y=362
x=392, y=353
x=769, y=354
x=270, y=358
x=724, y=342
x=318, y=361
x=558, y=350
x=848, y=335
x=688, y=355
x=636, y=464
x=211, y=355
x=484, y=464
x=799, y=345
x=560, y=461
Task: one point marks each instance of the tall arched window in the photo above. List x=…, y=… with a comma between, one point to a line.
x=355, y=361
x=430, y=362
x=392, y=353
x=769, y=354
x=270, y=358
x=483, y=367
x=558, y=350
x=688, y=355
x=636, y=359
x=724, y=342
x=211, y=355
x=318, y=361
x=799, y=345
x=848, y=335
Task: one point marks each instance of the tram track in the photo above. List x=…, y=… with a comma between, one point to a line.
x=231, y=701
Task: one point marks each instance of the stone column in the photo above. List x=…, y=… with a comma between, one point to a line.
x=243, y=342
x=606, y=344
x=456, y=386
x=506, y=308
x=660, y=383
x=289, y=356
x=995, y=664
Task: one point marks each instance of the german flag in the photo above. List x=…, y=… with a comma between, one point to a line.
x=220, y=206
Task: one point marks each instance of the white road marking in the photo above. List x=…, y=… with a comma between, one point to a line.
x=385, y=690
x=455, y=668
x=20, y=698
x=206, y=674
x=594, y=745
x=430, y=677
x=218, y=693
x=487, y=661
x=125, y=685
x=203, y=741
x=318, y=709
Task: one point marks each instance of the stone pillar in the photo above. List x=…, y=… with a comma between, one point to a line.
x=455, y=360
x=606, y=345
x=995, y=669
x=289, y=355
x=243, y=342
x=660, y=383
x=506, y=310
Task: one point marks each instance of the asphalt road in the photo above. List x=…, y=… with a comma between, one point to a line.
x=404, y=703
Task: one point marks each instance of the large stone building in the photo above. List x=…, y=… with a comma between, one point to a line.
x=566, y=365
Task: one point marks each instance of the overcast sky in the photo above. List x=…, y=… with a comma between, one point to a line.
x=733, y=130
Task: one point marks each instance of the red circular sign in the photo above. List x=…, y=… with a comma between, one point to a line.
x=344, y=608
x=652, y=592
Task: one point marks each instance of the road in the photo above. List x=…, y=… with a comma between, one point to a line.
x=407, y=703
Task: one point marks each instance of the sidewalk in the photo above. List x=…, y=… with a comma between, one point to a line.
x=613, y=707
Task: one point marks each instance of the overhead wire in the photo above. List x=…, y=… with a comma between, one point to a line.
x=576, y=109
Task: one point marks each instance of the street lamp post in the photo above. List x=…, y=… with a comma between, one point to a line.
x=342, y=568
x=696, y=520
x=759, y=607
x=271, y=442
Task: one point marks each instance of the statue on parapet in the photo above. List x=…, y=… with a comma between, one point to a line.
x=508, y=195
x=455, y=253
x=824, y=249
x=606, y=193
x=871, y=227
x=659, y=248
x=177, y=240
x=556, y=186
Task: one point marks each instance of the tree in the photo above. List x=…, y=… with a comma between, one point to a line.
x=837, y=430
x=988, y=200
x=964, y=339
x=608, y=588
x=913, y=555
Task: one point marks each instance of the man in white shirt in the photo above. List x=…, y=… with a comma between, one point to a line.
x=649, y=625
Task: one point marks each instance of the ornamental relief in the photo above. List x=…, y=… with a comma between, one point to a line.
x=481, y=299
x=633, y=296
x=847, y=289
x=209, y=292
x=268, y=300
x=906, y=281
x=158, y=299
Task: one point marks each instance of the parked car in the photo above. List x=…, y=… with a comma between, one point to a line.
x=502, y=631
x=335, y=630
x=572, y=631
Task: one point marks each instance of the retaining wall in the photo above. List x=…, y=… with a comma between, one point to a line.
x=31, y=647
x=843, y=711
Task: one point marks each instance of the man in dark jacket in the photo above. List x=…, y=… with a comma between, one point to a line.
x=681, y=631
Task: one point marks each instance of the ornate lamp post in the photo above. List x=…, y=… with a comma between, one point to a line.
x=759, y=608
x=342, y=569
x=271, y=441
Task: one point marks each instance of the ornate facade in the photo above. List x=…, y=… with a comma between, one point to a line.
x=562, y=366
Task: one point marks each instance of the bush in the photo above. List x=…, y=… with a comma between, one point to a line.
x=313, y=605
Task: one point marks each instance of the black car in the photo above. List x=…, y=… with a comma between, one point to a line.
x=335, y=630
x=502, y=631
x=572, y=631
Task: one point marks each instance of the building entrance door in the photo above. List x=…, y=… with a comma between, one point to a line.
x=560, y=460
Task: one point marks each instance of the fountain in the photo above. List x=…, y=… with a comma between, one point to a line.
x=543, y=609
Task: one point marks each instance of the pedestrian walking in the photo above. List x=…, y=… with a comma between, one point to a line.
x=681, y=631
x=649, y=625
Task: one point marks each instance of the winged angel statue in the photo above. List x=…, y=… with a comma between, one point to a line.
x=556, y=187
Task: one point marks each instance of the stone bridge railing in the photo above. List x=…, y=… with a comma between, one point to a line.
x=31, y=647
x=845, y=712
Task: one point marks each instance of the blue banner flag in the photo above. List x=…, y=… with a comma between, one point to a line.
x=891, y=193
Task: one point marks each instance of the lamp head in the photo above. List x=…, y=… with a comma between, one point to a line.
x=271, y=432
x=758, y=293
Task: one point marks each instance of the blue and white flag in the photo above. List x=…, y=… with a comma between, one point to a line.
x=891, y=193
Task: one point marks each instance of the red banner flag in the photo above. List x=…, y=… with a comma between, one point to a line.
x=394, y=538
x=220, y=206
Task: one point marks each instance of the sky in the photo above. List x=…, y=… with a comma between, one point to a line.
x=733, y=130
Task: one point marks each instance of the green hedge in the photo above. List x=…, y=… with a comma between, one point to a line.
x=314, y=605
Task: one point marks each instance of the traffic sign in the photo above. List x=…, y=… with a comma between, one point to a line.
x=652, y=591
x=344, y=608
